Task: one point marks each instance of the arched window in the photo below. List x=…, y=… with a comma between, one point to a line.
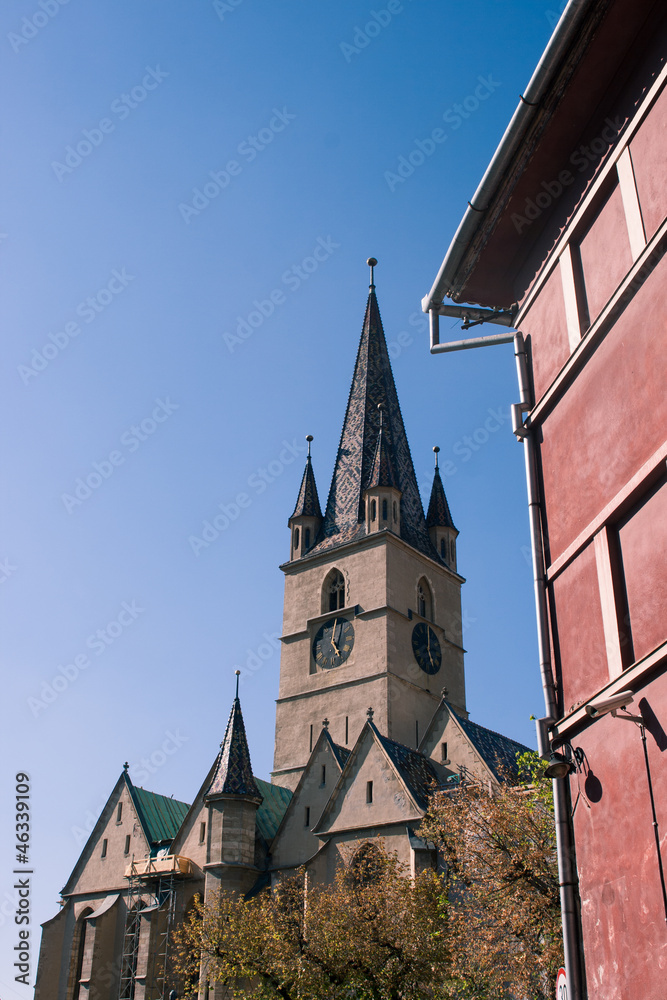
x=373, y=510
x=384, y=510
x=78, y=950
x=333, y=592
x=424, y=599
x=453, y=544
x=443, y=548
x=307, y=539
x=296, y=538
x=395, y=511
x=366, y=866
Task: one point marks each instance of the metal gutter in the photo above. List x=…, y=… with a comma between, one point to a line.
x=527, y=109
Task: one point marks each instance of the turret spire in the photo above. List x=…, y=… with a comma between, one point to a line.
x=233, y=771
x=438, y=509
x=308, y=502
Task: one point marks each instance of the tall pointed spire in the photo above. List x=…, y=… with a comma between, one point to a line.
x=233, y=770
x=372, y=384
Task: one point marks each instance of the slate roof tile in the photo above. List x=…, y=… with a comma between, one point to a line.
x=372, y=383
x=233, y=771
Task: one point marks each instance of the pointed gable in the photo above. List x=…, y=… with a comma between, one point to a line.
x=470, y=747
x=383, y=472
x=372, y=384
x=401, y=780
x=308, y=502
x=103, y=860
x=438, y=515
x=232, y=773
x=294, y=842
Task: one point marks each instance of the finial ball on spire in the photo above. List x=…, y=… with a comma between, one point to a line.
x=436, y=449
x=237, y=672
x=309, y=437
x=372, y=262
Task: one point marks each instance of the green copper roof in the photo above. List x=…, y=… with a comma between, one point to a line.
x=275, y=801
x=161, y=816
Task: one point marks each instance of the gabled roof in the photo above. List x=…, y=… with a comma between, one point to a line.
x=308, y=502
x=160, y=816
x=232, y=773
x=498, y=751
x=372, y=384
x=340, y=753
x=415, y=769
x=341, y=756
x=438, y=509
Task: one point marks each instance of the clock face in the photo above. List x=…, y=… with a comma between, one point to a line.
x=333, y=643
x=426, y=648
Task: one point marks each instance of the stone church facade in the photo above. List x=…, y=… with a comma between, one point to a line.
x=371, y=716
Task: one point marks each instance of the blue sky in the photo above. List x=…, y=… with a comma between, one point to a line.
x=189, y=195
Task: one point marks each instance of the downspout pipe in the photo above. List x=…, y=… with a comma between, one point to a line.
x=527, y=109
x=567, y=869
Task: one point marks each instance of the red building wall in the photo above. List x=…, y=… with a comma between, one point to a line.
x=593, y=284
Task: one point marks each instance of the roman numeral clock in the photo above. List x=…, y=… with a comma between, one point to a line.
x=333, y=642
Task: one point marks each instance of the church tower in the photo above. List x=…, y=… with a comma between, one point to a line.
x=372, y=613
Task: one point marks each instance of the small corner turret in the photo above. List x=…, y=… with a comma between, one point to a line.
x=439, y=521
x=306, y=519
x=382, y=496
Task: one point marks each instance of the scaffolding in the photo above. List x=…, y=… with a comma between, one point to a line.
x=131, y=937
x=155, y=878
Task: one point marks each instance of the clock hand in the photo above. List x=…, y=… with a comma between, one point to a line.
x=333, y=637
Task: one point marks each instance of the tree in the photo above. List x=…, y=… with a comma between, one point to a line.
x=374, y=934
x=499, y=849
x=485, y=926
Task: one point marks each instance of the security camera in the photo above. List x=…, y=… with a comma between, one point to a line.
x=603, y=705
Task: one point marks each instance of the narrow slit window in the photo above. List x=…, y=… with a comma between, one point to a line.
x=105, y=844
x=369, y=791
x=443, y=548
x=119, y=813
x=202, y=832
x=296, y=538
x=395, y=511
x=127, y=844
x=324, y=774
x=307, y=817
x=347, y=730
x=373, y=510
x=384, y=510
x=311, y=737
x=443, y=752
